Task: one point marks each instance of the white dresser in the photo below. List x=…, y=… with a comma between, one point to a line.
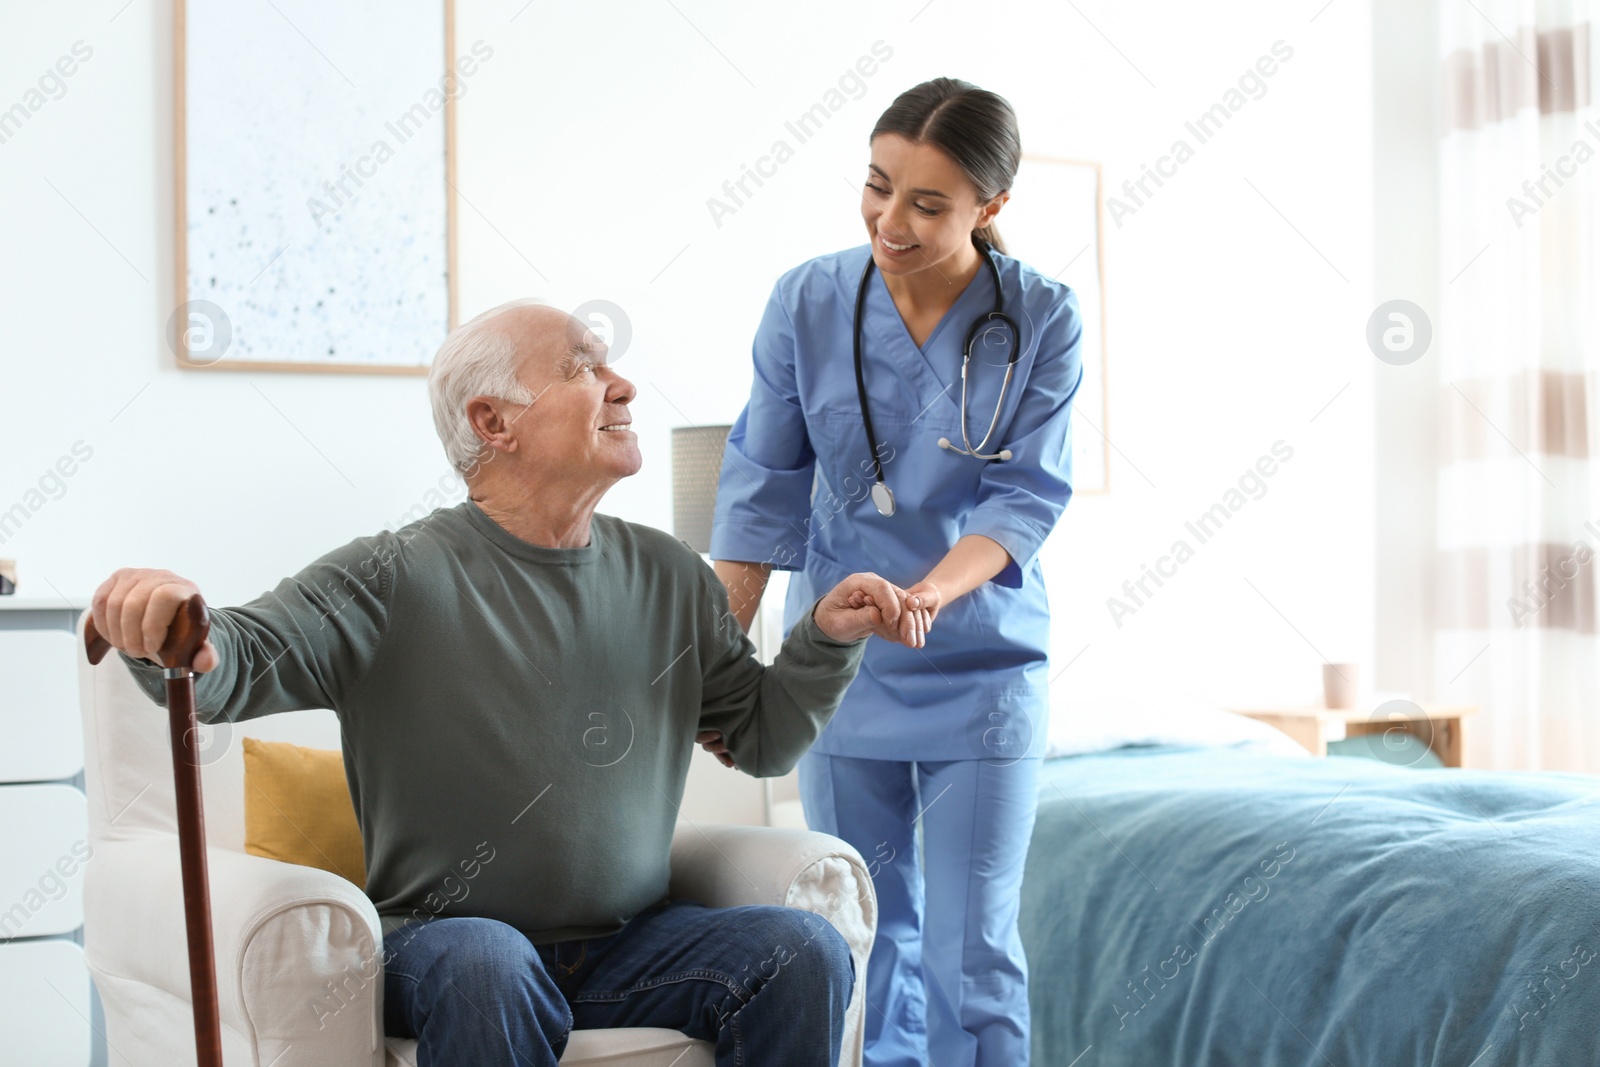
x=48, y=1011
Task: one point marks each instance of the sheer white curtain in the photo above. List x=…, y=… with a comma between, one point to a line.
x=1519, y=351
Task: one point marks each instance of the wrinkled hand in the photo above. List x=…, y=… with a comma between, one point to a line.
x=134, y=609
x=861, y=605
x=711, y=741
x=919, y=607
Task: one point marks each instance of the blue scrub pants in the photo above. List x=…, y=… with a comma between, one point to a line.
x=947, y=981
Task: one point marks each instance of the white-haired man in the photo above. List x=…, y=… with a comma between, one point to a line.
x=474, y=657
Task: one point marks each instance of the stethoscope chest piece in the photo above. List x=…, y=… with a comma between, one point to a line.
x=882, y=499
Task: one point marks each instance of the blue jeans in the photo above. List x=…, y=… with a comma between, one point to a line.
x=767, y=985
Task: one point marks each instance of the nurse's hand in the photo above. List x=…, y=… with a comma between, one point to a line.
x=861, y=605
x=922, y=602
x=916, y=613
x=711, y=741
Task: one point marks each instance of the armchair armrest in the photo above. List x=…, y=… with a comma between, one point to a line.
x=729, y=866
x=299, y=951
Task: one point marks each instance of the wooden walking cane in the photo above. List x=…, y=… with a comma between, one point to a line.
x=184, y=640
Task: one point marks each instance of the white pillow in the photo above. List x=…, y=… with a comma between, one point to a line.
x=1088, y=726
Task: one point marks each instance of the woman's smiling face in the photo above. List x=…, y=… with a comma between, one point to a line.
x=920, y=207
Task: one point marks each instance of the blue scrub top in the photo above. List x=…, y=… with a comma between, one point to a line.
x=797, y=474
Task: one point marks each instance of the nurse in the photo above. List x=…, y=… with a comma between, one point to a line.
x=943, y=732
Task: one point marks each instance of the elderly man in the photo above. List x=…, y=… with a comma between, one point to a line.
x=519, y=682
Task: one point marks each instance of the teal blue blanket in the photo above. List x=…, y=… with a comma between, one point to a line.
x=1220, y=907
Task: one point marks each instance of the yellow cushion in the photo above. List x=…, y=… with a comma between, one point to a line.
x=297, y=808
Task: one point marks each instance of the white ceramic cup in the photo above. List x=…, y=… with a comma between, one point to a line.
x=1339, y=684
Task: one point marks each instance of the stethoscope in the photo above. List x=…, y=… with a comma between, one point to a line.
x=882, y=498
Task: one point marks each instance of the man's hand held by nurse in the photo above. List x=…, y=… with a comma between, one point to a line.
x=861, y=605
x=917, y=611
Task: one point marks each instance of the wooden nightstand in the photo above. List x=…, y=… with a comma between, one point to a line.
x=1436, y=725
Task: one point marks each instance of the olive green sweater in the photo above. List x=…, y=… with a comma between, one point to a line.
x=518, y=720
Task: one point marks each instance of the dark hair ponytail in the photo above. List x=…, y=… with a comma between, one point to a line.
x=972, y=126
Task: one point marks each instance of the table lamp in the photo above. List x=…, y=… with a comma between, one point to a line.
x=696, y=469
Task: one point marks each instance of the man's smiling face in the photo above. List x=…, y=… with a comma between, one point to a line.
x=579, y=421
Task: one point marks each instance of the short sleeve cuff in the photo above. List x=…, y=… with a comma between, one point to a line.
x=1020, y=538
x=776, y=543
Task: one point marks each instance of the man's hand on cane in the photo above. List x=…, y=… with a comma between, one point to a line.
x=134, y=609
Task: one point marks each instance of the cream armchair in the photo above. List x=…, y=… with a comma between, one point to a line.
x=299, y=982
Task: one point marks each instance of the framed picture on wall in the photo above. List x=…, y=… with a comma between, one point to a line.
x=315, y=178
x=1054, y=223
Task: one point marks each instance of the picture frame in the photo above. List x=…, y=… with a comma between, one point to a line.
x=315, y=199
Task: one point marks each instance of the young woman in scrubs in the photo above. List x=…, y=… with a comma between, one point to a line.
x=943, y=731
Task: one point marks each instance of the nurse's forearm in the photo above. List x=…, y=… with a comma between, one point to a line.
x=974, y=560
x=745, y=583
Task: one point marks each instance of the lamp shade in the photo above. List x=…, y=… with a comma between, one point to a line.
x=696, y=469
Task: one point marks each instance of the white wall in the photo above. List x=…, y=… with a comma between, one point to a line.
x=589, y=145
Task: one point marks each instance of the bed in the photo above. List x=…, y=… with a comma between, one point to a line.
x=1203, y=893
